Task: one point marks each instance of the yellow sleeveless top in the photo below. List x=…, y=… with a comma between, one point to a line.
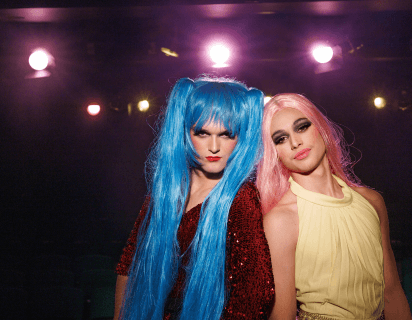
x=339, y=258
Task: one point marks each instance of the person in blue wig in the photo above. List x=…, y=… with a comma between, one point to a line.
x=198, y=249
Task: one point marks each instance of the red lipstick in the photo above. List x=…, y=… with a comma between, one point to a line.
x=213, y=159
x=302, y=154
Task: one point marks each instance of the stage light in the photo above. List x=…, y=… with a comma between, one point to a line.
x=322, y=53
x=169, y=52
x=266, y=99
x=39, y=59
x=93, y=109
x=219, y=55
x=379, y=102
x=143, y=105
x=327, y=58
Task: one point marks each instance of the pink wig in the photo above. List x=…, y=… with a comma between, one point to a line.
x=272, y=175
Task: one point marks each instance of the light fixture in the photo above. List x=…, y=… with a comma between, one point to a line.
x=219, y=54
x=379, y=102
x=93, y=109
x=40, y=60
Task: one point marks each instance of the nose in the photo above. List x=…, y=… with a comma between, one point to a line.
x=295, y=141
x=214, y=144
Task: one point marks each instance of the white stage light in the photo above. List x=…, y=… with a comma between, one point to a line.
x=93, y=109
x=322, y=54
x=219, y=55
x=39, y=60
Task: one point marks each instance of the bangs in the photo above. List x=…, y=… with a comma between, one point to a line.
x=217, y=103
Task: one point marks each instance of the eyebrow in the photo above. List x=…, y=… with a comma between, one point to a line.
x=225, y=131
x=294, y=123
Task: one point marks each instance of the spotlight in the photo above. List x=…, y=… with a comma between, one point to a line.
x=328, y=58
x=379, y=102
x=143, y=105
x=219, y=55
x=322, y=54
x=93, y=109
x=39, y=60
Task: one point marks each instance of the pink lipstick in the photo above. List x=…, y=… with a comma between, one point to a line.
x=302, y=154
x=213, y=159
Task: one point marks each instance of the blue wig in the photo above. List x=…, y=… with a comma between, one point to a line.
x=152, y=275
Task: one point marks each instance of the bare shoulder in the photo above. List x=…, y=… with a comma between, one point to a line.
x=281, y=226
x=284, y=214
x=374, y=198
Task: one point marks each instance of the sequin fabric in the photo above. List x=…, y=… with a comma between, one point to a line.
x=303, y=315
x=248, y=264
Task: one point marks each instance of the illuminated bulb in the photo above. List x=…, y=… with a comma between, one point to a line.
x=143, y=105
x=93, y=109
x=322, y=54
x=379, y=102
x=219, y=55
x=39, y=60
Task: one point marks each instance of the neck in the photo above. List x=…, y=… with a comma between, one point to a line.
x=201, y=180
x=201, y=184
x=319, y=180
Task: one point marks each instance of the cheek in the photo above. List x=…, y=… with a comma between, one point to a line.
x=228, y=146
x=195, y=143
x=318, y=138
x=231, y=145
x=315, y=136
x=281, y=153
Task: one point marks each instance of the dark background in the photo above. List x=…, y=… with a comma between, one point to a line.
x=73, y=184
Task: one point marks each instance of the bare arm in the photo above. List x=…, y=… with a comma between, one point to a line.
x=120, y=287
x=281, y=228
x=396, y=304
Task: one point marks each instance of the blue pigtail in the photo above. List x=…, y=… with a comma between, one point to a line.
x=155, y=265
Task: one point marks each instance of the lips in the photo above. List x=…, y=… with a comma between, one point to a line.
x=302, y=154
x=213, y=159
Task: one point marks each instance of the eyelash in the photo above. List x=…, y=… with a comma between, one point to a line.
x=304, y=126
x=301, y=128
x=202, y=133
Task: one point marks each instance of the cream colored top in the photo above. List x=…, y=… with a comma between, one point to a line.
x=339, y=258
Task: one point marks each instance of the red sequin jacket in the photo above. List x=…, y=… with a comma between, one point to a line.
x=248, y=264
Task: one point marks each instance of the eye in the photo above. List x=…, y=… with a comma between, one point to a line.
x=200, y=133
x=226, y=134
x=303, y=127
x=279, y=139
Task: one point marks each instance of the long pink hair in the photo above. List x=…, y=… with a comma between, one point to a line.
x=272, y=175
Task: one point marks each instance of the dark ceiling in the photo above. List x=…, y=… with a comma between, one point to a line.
x=66, y=177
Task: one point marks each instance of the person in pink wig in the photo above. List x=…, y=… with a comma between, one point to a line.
x=328, y=234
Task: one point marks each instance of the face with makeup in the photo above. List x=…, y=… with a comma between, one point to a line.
x=298, y=143
x=214, y=145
